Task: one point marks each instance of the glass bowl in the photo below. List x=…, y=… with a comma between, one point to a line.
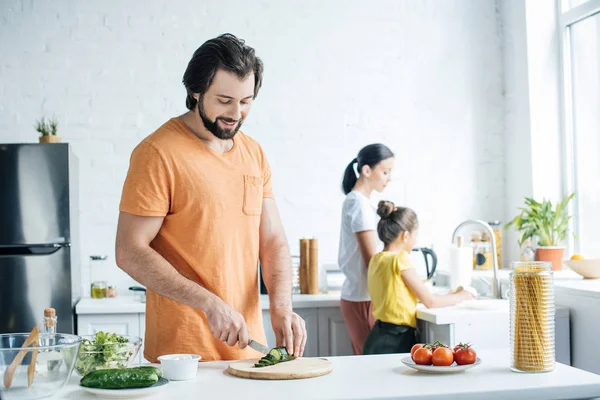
x=93, y=357
x=54, y=361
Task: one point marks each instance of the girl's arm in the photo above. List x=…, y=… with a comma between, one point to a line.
x=430, y=300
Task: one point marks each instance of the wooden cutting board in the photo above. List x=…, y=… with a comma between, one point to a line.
x=299, y=368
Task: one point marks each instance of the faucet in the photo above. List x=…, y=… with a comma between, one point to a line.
x=495, y=283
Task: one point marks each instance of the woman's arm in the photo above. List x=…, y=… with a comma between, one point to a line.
x=367, y=245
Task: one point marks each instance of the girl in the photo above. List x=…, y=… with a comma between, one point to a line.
x=395, y=286
x=358, y=240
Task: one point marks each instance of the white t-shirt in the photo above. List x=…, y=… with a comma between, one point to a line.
x=358, y=215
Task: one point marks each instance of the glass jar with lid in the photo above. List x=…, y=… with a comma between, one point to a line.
x=98, y=289
x=532, y=346
x=497, y=228
x=483, y=252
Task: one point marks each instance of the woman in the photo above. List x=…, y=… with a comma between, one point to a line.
x=358, y=238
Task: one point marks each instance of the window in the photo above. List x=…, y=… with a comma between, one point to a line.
x=580, y=27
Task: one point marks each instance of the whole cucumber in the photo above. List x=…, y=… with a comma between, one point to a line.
x=149, y=368
x=122, y=378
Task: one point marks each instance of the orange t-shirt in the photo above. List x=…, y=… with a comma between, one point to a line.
x=212, y=204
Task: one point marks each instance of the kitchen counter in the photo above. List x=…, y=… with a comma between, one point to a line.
x=474, y=310
x=353, y=377
x=320, y=300
x=504, y=275
x=587, y=287
x=131, y=304
x=115, y=305
x=461, y=313
x=565, y=280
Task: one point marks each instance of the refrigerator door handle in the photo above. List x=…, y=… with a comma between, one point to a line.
x=32, y=249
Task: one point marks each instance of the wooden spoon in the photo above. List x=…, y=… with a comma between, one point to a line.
x=31, y=367
x=9, y=374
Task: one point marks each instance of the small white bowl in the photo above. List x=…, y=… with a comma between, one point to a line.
x=179, y=367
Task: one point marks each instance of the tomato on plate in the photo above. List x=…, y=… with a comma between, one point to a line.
x=436, y=345
x=442, y=357
x=415, y=348
x=422, y=356
x=464, y=354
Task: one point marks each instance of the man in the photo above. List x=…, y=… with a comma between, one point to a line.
x=198, y=212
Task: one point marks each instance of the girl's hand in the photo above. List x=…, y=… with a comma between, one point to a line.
x=469, y=292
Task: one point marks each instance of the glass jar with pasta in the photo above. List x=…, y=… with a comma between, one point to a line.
x=532, y=317
x=497, y=228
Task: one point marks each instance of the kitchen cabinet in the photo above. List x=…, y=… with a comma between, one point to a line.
x=325, y=328
x=334, y=338
x=310, y=318
x=583, y=300
x=491, y=332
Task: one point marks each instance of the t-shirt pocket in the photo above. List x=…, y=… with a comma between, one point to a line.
x=253, y=195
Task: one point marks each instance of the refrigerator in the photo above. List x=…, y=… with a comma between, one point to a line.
x=39, y=235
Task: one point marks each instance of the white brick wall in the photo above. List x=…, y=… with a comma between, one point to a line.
x=424, y=77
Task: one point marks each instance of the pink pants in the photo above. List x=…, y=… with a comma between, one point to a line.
x=359, y=320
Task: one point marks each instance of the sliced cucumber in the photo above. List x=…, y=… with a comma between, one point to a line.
x=276, y=353
x=283, y=354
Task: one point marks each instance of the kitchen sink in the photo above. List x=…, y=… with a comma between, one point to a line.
x=484, y=288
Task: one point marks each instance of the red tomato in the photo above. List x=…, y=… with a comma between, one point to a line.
x=464, y=355
x=436, y=345
x=415, y=348
x=442, y=357
x=422, y=356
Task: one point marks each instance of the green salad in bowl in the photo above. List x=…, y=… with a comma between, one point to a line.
x=106, y=351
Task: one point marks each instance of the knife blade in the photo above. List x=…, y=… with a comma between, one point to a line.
x=258, y=346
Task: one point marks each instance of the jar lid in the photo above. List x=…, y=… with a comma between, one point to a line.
x=530, y=267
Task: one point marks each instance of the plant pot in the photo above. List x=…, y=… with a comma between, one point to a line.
x=551, y=254
x=50, y=139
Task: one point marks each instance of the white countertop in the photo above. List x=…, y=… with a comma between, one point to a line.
x=587, y=287
x=466, y=312
x=566, y=280
x=115, y=305
x=478, y=310
x=354, y=378
x=131, y=305
x=331, y=299
x=504, y=274
x=473, y=310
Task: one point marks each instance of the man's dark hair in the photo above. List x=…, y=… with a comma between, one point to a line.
x=225, y=52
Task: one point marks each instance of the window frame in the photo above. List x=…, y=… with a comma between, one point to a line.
x=567, y=18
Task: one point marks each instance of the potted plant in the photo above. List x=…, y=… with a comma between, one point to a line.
x=546, y=223
x=47, y=130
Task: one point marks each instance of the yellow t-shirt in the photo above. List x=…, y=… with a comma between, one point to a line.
x=391, y=299
x=212, y=205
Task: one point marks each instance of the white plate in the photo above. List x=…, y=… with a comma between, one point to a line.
x=441, y=370
x=128, y=393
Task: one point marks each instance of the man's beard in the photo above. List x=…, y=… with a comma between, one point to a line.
x=213, y=126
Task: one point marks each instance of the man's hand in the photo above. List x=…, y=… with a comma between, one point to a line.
x=227, y=324
x=290, y=329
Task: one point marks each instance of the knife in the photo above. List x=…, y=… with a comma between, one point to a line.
x=258, y=346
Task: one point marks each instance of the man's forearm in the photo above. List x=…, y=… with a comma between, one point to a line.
x=150, y=269
x=277, y=273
